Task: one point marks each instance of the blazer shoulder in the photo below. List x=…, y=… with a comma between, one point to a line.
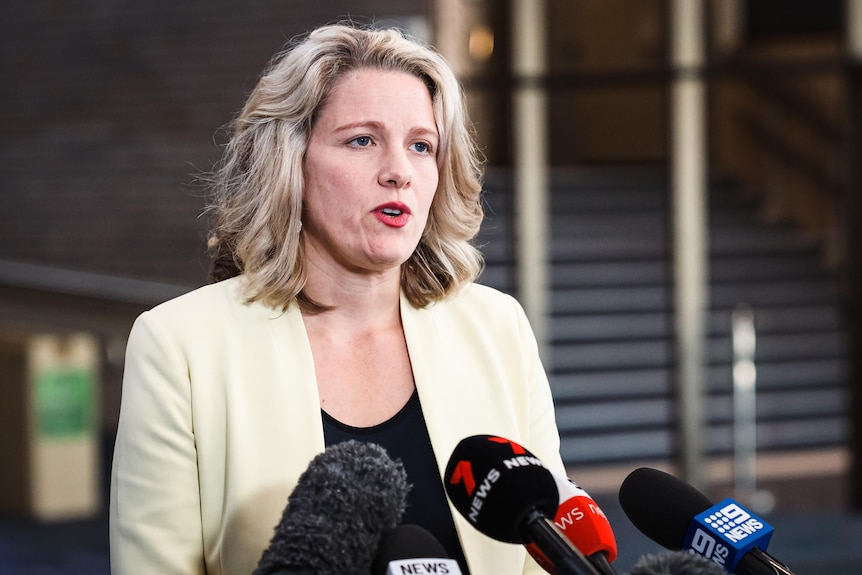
x=481, y=299
x=484, y=308
x=212, y=305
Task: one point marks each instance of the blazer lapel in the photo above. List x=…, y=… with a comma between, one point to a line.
x=449, y=420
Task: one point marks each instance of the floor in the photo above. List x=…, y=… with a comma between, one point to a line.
x=68, y=548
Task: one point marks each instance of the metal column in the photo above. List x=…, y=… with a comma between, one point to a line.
x=530, y=165
x=690, y=252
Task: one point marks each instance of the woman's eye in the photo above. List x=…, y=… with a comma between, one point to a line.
x=422, y=147
x=361, y=141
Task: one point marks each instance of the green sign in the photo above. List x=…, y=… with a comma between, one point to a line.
x=64, y=402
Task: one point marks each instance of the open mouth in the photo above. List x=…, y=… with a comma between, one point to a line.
x=393, y=214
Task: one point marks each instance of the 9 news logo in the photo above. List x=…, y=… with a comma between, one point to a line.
x=725, y=532
x=705, y=544
x=734, y=522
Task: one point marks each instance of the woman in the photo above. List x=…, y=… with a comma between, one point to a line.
x=344, y=209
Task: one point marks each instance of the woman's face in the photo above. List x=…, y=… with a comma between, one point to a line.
x=370, y=172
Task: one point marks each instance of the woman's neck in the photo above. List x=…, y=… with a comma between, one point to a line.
x=368, y=300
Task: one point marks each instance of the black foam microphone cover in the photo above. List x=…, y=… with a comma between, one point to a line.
x=660, y=505
x=497, y=484
x=676, y=563
x=343, y=503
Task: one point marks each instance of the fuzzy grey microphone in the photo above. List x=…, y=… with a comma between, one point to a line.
x=335, y=518
x=676, y=563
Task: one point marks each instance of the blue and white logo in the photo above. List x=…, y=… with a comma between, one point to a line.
x=725, y=532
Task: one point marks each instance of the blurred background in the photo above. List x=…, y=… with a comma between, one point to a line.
x=673, y=193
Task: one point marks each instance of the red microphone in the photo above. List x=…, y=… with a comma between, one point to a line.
x=584, y=524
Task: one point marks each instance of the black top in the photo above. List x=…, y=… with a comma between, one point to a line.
x=405, y=438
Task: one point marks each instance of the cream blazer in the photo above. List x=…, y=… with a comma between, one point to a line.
x=220, y=415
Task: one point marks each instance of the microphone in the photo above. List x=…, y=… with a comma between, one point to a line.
x=676, y=563
x=410, y=549
x=677, y=516
x=583, y=523
x=506, y=492
x=335, y=518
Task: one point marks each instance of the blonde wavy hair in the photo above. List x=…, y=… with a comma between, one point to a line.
x=257, y=188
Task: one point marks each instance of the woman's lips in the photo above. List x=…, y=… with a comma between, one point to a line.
x=393, y=214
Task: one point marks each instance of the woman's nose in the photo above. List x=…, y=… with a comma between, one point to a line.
x=396, y=169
